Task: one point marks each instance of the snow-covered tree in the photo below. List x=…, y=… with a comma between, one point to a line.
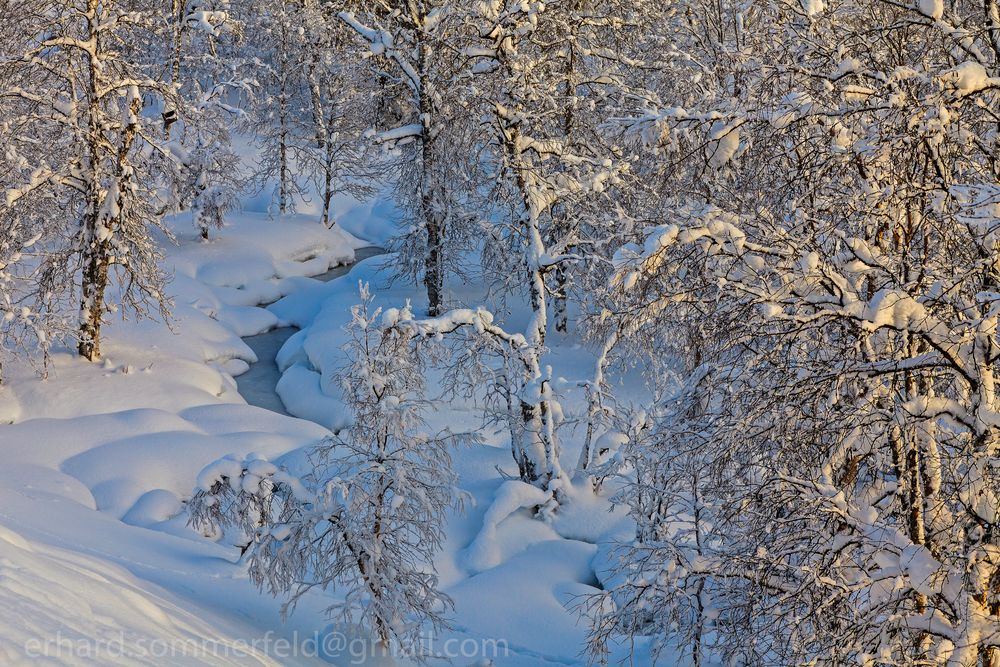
x=212, y=177
x=367, y=518
x=549, y=75
x=418, y=40
x=212, y=77
x=540, y=79
x=313, y=106
x=326, y=143
x=520, y=392
x=76, y=76
x=839, y=427
x=275, y=31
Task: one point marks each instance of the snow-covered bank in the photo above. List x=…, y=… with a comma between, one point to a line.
x=258, y=384
x=96, y=565
x=101, y=458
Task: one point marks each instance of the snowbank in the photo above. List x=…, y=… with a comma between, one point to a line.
x=97, y=566
x=100, y=459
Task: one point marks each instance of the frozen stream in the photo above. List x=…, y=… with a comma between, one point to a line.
x=257, y=385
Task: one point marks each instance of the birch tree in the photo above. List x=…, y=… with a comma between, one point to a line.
x=845, y=406
x=327, y=143
x=368, y=517
x=414, y=38
x=211, y=77
x=77, y=71
x=281, y=93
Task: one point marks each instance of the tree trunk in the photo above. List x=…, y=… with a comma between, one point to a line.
x=328, y=222
x=94, y=249
x=283, y=188
x=538, y=418
x=595, y=404
x=433, y=271
x=94, y=284
x=327, y=197
x=430, y=207
x=282, y=154
x=177, y=16
x=561, y=221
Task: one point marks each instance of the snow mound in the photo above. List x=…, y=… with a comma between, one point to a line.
x=153, y=507
x=65, y=608
x=513, y=495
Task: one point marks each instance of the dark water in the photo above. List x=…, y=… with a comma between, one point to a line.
x=257, y=385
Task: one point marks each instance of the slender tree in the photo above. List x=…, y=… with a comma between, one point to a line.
x=369, y=516
x=415, y=37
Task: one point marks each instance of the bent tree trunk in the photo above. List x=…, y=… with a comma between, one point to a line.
x=539, y=460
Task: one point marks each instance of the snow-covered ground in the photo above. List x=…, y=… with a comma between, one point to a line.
x=97, y=564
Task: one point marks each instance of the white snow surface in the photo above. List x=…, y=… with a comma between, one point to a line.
x=97, y=564
x=511, y=496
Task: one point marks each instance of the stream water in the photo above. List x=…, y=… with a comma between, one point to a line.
x=257, y=385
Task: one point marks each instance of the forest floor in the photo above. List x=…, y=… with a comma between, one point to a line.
x=97, y=563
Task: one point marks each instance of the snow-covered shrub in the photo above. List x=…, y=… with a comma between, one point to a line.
x=367, y=519
x=30, y=320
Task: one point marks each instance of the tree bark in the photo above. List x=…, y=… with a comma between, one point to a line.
x=561, y=221
x=283, y=189
x=94, y=284
x=95, y=251
x=429, y=205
